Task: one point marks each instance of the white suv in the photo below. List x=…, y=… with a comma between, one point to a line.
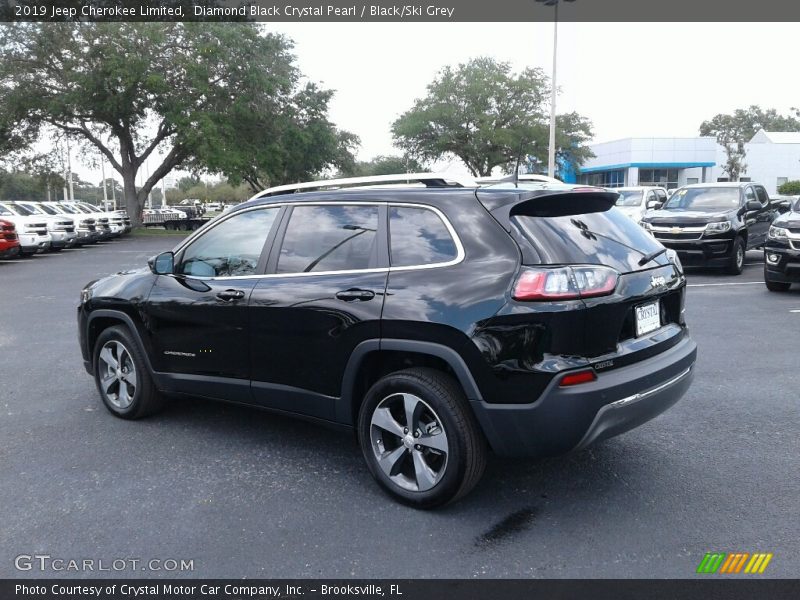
x=635, y=201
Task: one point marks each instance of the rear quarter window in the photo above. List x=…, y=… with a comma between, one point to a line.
x=419, y=237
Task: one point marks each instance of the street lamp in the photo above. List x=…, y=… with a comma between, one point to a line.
x=551, y=155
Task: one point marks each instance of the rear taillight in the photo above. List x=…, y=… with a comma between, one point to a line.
x=565, y=283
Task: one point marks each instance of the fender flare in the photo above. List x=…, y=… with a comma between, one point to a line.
x=344, y=410
x=125, y=318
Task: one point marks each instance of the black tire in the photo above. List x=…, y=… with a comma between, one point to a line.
x=460, y=468
x=736, y=262
x=145, y=399
x=775, y=286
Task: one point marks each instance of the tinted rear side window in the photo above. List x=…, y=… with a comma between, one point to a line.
x=419, y=237
x=605, y=238
x=329, y=238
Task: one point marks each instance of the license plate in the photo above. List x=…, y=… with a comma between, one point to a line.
x=648, y=318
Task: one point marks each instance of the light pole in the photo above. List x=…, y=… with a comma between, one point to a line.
x=551, y=152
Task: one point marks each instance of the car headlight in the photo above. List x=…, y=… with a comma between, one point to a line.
x=778, y=233
x=718, y=227
x=86, y=295
x=646, y=225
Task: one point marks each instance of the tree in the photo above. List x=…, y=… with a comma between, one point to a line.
x=487, y=116
x=384, y=165
x=197, y=95
x=734, y=130
x=790, y=188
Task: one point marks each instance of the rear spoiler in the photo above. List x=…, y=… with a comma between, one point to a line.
x=556, y=204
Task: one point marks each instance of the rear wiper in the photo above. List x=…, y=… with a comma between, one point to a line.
x=648, y=257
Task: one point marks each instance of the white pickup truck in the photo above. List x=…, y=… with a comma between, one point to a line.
x=31, y=230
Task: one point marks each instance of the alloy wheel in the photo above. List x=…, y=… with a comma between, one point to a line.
x=117, y=374
x=409, y=442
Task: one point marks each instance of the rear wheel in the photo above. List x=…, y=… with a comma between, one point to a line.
x=122, y=377
x=419, y=438
x=736, y=264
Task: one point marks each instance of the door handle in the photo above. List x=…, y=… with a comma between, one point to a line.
x=229, y=295
x=352, y=295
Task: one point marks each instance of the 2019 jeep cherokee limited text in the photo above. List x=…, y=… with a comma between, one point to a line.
x=436, y=321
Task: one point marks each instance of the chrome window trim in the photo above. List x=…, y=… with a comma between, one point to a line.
x=460, y=252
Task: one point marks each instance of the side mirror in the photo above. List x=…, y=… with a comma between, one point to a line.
x=753, y=205
x=782, y=206
x=162, y=264
x=653, y=204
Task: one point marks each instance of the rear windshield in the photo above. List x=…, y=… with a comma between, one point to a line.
x=704, y=199
x=605, y=238
x=630, y=198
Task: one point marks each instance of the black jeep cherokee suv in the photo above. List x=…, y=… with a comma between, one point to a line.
x=437, y=322
x=713, y=224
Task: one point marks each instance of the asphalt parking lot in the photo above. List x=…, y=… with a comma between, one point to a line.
x=248, y=494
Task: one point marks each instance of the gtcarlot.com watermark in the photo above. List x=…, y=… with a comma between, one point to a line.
x=45, y=563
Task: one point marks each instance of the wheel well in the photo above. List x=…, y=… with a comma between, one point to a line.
x=97, y=326
x=380, y=363
x=743, y=234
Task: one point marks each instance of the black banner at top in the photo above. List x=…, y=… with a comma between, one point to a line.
x=395, y=11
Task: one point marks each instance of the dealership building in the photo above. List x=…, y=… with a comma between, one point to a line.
x=772, y=159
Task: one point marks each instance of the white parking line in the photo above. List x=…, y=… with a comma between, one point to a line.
x=795, y=310
x=731, y=283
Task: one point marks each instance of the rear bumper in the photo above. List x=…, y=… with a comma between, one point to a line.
x=571, y=418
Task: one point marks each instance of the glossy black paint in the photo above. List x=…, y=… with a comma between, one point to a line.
x=749, y=223
x=311, y=344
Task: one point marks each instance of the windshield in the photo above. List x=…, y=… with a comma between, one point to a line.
x=69, y=209
x=47, y=209
x=17, y=209
x=4, y=212
x=704, y=199
x=34, y=210
x=630, y=197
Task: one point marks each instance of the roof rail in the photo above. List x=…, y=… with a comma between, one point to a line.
x=397, y=180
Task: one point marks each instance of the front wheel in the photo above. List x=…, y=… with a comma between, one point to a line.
x=736, y=264
x=775, y=286
x=121, y=375
x=419, y=438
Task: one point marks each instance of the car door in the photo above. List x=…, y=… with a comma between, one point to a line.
x=766, y=215
x=197, y=317
x=757, y=223
x=322, y=296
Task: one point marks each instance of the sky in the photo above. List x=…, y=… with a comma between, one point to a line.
x=629, y=79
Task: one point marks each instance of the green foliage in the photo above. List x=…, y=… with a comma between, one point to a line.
x=223, y=192
x=383, y=165
x=734, y=130
x=221, y=97
x=790, y=188
x=487, y=116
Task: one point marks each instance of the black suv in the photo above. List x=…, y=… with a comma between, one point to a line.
x=782, y=251
x=713, y=224
x=436, y=322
